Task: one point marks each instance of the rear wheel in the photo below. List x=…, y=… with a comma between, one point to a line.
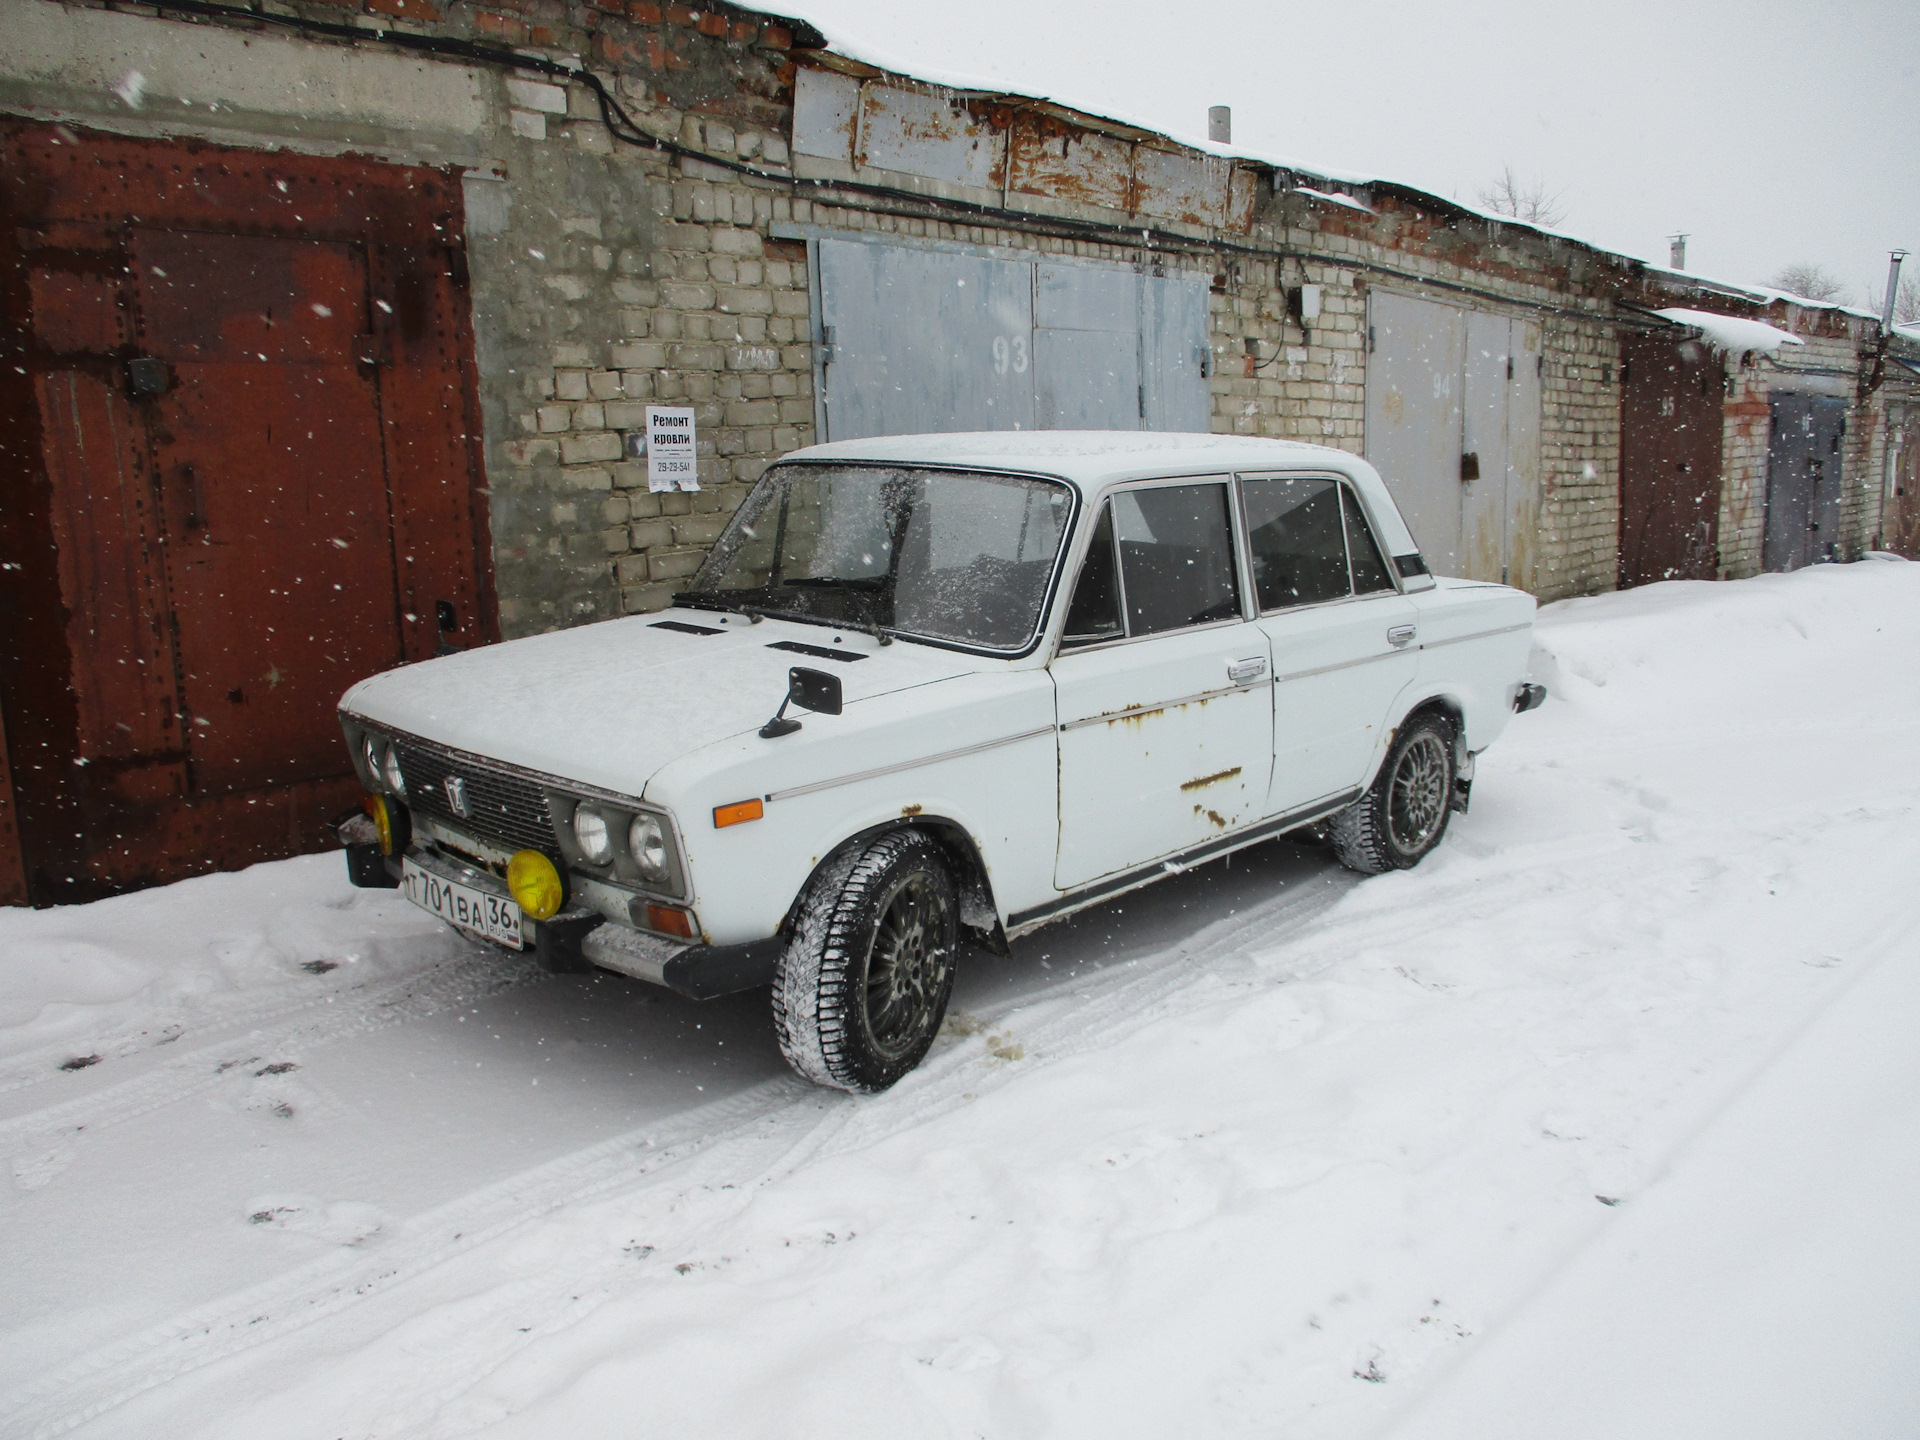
x=1404, y=813
x=863, y=984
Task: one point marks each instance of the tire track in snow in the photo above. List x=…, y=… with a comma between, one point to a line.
x=224, y=1012
x=339, y=1016
x=727, y=1151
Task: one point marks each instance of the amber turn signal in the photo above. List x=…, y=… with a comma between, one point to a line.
x=737, y=813
x=669, y=921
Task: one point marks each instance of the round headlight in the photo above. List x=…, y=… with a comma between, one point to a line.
x=590, y=833
x=647, y=843
x=390, y=771
x=534, y=884
x=370, y=754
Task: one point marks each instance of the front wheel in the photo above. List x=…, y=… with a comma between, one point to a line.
x=862, y=986
x=1404, y=812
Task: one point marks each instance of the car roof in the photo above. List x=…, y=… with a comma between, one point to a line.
x=1090, y=459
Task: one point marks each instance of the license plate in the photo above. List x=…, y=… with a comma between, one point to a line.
x=493, y=916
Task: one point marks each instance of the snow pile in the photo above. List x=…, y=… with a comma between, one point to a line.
x=1594, y=1124
x=1732, y=335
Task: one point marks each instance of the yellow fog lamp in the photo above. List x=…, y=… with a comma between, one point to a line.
x=391, y=824
x=535, y=884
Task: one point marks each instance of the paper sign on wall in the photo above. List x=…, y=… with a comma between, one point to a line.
x=671, y=463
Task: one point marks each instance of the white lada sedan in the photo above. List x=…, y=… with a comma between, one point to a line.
x=941, y=688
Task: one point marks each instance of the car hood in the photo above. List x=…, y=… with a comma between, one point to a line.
x=610, y=703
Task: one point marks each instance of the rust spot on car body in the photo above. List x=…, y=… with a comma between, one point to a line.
x=1219, y=820
x=1214, y=779
x=907, y=812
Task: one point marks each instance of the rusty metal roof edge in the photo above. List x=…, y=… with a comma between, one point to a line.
x=827, y=59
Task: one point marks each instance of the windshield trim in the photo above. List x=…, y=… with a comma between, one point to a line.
x=1043, y=615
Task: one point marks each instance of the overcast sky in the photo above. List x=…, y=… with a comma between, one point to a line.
x=1774, y=133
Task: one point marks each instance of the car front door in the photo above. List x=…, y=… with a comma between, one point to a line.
x=1345, y=641
x=1161, y=685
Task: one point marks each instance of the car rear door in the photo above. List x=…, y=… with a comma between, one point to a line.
x=1161, y=685
x=1345, y=641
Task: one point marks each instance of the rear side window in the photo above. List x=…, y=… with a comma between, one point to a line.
x=1176, y=557
x=1095, y=614
x=1298, y=541
x=1369, y=570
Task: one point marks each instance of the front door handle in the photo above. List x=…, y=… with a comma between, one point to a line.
x=1401, y=635
x=1245, y=672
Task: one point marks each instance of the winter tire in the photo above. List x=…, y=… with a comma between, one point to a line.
x=1404, y=812
x=862, y=986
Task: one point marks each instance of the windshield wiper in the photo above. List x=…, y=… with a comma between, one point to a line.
x=707, y=600
x=871, y=584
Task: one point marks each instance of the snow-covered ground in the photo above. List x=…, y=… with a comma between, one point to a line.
x=1605, y=1121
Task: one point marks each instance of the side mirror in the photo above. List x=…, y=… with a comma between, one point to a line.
x=813, y=690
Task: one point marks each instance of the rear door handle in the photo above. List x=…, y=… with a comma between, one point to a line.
x=1245, y=672
x=1401, y=635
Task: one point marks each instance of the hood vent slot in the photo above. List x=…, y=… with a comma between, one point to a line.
x=846, y=657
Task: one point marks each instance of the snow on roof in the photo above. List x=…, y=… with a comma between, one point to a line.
x=1333, y=198
x=1762, y=294
x=1731, y=334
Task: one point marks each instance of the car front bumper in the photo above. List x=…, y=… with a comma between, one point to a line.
x=576, y=939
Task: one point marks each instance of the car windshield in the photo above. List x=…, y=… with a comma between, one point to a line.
x=946, y=554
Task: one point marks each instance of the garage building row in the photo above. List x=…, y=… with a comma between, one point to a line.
x=331, y=331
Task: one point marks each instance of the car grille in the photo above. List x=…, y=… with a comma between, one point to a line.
x=506, y=809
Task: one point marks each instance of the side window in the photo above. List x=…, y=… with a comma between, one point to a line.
x=1299, y=544
x=1369, y=570
x=1095, y=611
x=1176, y=557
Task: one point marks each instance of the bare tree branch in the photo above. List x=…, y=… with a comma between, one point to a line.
x=1810, y=282
x=1522, y=199
x=1906, y=301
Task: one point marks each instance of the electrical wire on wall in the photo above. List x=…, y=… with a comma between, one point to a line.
x=906, y=204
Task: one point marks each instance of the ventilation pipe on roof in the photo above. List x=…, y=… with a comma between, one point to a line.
x=1220, y=124
x=1677, y=251
x=1893, y=288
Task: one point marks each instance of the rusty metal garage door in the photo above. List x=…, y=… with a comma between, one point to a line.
x=1672, y=413
x=246, y=480
x=1453, y=425
x=916, y=340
